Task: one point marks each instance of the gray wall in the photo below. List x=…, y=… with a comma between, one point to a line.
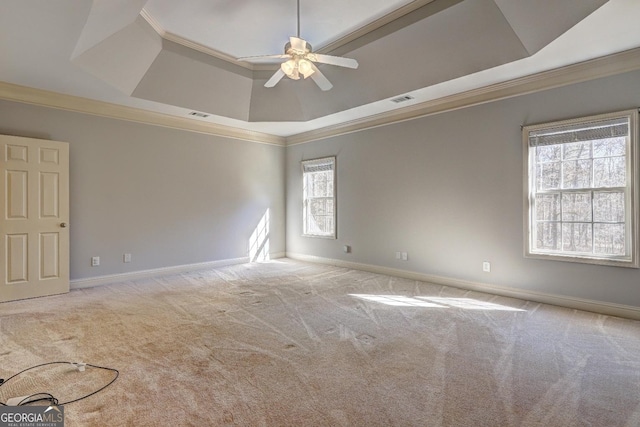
x=448, y=189
x=169, y=197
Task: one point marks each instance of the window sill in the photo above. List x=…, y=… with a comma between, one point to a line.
x=627, y=263
x=317, y=236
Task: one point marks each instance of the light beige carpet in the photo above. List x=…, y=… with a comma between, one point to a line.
x=292, y=344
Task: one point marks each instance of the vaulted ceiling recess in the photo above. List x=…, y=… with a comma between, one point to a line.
x=181, y=54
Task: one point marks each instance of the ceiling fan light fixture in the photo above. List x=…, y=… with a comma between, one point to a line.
x=289, y=67
x=305, y=68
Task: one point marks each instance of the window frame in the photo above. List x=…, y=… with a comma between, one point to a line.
x=305, y=199
x=631, y=191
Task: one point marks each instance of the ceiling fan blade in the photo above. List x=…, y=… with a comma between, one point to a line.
x=250, y=58
x=298, y=44
x=275, y=78
x=333, y=60
x=322, y=82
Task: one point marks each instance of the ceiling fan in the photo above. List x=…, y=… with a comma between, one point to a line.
x=300, y=60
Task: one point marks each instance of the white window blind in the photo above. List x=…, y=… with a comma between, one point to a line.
x=581, y=203
x=319, y=201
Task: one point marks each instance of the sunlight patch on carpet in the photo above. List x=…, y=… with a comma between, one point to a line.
x=435, y=302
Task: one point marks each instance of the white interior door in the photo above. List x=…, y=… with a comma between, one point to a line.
x=34, y=189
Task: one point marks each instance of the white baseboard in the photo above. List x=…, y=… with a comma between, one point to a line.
x=627, y=311
x=141, y=274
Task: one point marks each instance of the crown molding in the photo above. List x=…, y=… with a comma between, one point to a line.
x=166, y=35
x=617, y=63
x=153, y=22
x=596, y=68
x=39, y=97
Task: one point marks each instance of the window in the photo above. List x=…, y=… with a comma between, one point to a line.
x=581, y=202
x=319, y=197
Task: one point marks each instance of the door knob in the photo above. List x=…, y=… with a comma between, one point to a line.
x=63, y=225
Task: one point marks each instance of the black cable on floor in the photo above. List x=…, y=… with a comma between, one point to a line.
x=48, y=396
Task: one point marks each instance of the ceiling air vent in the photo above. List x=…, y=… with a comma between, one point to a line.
x=404, y=98
x=195, y=113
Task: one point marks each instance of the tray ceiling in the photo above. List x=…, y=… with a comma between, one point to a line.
x=178, y=57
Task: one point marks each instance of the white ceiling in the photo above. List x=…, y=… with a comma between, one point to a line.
x=41, y=42
x=258, y=27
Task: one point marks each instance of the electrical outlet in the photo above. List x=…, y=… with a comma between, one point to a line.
x=405, y=256
x=95, y=261
x=126, y=258
x=486, y=266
